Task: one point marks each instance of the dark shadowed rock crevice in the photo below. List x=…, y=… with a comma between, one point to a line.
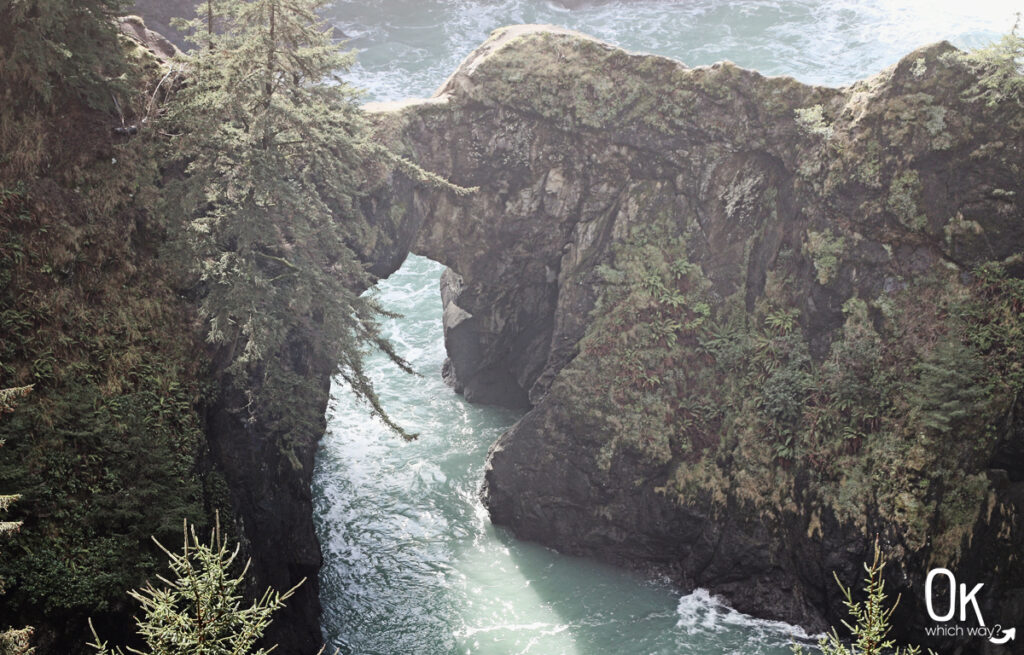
x=269, y=491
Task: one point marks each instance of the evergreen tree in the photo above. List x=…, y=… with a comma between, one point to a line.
x=50, y=47
x=12, y=641
x=199, y=609
x=275, y=145
x=871, y=619
x=1000, y=68
x=953, y=386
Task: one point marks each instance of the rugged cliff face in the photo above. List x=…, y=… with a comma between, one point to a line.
x=269, y=491
x=758, y=322
x=160, y=13
x=109, y=450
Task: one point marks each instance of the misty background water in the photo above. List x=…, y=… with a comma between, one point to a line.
x=412, y=563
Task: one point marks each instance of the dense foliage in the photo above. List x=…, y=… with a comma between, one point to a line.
x=244, y=196
x=106, y=451
x=54, y=53
x=274, y=143
x=1000, y=66
x=200, y=610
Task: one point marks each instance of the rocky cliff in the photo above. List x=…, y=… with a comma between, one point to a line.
x=758, y=323
x=132, y=424
x=272, y=505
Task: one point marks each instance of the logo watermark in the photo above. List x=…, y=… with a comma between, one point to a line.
x=966, y=602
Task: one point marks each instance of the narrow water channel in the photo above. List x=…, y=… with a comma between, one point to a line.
x=413, y=565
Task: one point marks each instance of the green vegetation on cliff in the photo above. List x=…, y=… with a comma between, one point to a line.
x=743, y=395
x=106, y=451
x=200, y=608
x=13, y=641
x=231, y=217
x=54, y=55
x=275, y=146
x=735, y=403
x=807, y=305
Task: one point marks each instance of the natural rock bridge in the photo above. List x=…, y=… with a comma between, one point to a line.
x=598, y=167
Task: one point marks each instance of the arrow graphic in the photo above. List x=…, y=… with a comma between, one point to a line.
x=1008, y=635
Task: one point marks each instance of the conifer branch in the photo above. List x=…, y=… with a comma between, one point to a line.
x=420, y=174
x=279, y=260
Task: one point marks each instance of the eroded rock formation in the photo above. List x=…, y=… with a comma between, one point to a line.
x=743, y=310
